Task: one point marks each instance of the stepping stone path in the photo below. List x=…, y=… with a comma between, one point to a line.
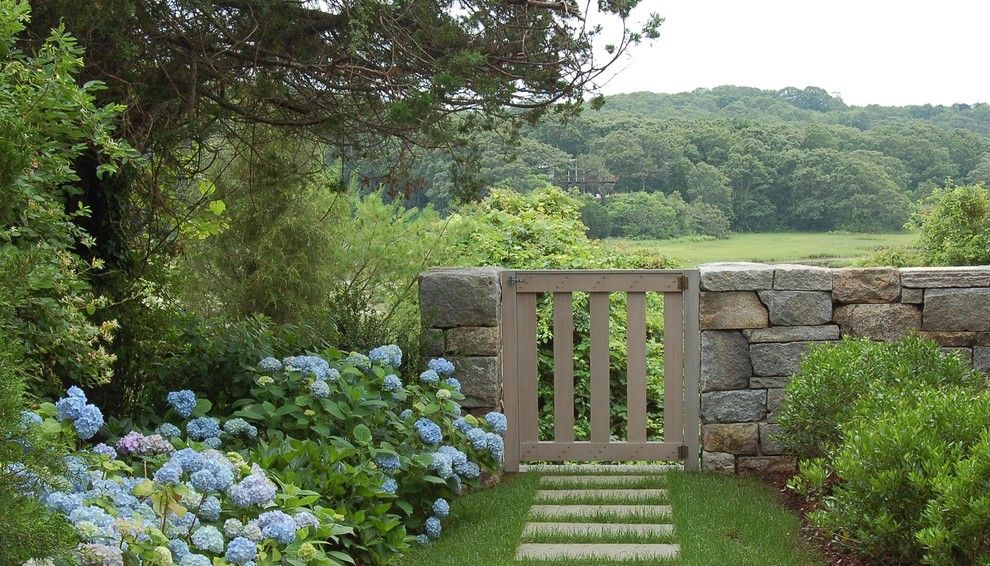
x=577, y=504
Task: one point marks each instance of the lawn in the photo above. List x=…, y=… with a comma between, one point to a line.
x=823, y=248
x=717, y=520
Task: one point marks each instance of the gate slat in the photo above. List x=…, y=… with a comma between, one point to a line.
x=563, y=367
x=673, y=367
x=692, y=362
x=636, y=366
x=599, y=368
x=527, y=377
x=510, y=370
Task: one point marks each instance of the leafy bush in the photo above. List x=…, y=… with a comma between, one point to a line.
x=913, y=480
x=954, y=225
x=837, y=382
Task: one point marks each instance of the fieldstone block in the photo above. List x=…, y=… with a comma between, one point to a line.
x=718, y=462
x=736, y=438
x=802, y=278
x=732, y=310
x=459, y=297
x=777, y=358
x=747, y=405
x=481, y=383
x=792, y=333
x=431, y=340
x=797, y=308
x=724, y=360
x=912, y=296
x=957, y=310
x=769, y=444
x=942, y=277
x=950, y=339
x=981, y=339
x=774, y=398
x=473, y=340
x=966, y=354
x=981, y=359
x=878, y=322
x=735, y=276
x=769, y=381
x=760, y=465
x=866, y=285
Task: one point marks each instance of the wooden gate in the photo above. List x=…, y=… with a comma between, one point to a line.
x=520, y=292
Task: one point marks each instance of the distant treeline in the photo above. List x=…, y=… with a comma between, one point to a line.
x=767, y=160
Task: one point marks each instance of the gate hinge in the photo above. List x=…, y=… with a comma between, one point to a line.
x=682, y=452
x=682, y=283
x=513, y=279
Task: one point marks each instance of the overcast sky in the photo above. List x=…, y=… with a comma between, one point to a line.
x=869, y=51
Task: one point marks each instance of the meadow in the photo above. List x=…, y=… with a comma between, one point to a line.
x=819, y=248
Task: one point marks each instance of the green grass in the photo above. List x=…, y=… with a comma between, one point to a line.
x=717, y=520
x=824, y=248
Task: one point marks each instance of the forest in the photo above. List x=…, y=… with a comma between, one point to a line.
x=761, y=160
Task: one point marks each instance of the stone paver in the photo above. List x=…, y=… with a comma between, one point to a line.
x=582, y=481
x=561, y=511
x=539, y=551
x=599, y=468
x=598, y=529
x=602, y=494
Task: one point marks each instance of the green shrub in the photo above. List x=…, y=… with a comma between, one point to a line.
x=836, y=381
x=914, y=476
x=595, y=217
x=954, y=225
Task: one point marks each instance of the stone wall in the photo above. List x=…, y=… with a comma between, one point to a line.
x=757, y=320
x=460, y=312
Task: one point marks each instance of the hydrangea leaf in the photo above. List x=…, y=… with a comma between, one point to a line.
x=144, y=489
x=203, y=407
x=362, y=434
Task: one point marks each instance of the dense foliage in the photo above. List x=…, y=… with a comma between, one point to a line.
x=895, y=441
x=954, y=226
x=769, y=160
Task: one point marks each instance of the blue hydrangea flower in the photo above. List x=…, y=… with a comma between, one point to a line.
x=253, y=531
x=452, y=382
x=77, y=472
x=405, y=414
x=423, y=539
x=497, y=422
x=240, y=428
x=388, y=462
x=105, y=450
x=168, y=430
x=278, y=525
x=359, y=361
x=429, y=432
x=433, y=528
x=441, y=508
x=183, y=402
x=232, y=528
x=429, y=377
x=30, y=419
x=64, y=502
x=390, y=486
x=255, y=489
x=441, y=366
x=90, y=422
x=241, y=550
x=392, y=383
x=217, y=464
x=208, y=538
x=76, y=392
x=195, y=560
x=495, y=446
x=91, y=514
x=468, y=470
x=462, y=425
x=203, y=481
x=179, y=549
x=210, y=509
x=69, y=408
x=213, y=442
x=387, y=355
x=202, y=428
x=455, y=455
x=168, y=474
x=270, y=364
x=442, y=465
x=319, y=389
x=305, y=519
x=478, y=438
x=311, y=365
x=189, y=459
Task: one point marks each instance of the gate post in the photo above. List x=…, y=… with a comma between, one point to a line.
x=461, y=315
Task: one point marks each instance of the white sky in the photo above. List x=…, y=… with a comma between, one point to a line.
x=869, y=51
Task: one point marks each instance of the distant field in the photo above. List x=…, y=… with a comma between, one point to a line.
x=820, y=248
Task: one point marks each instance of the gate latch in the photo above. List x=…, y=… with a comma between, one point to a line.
x=513, y=279
x=682, y=283
x=682, y=452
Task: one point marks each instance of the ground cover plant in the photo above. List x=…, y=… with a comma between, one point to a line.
x=894, y=444
x=331, y=459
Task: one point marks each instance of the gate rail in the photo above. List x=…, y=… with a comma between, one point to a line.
x=520, y=291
